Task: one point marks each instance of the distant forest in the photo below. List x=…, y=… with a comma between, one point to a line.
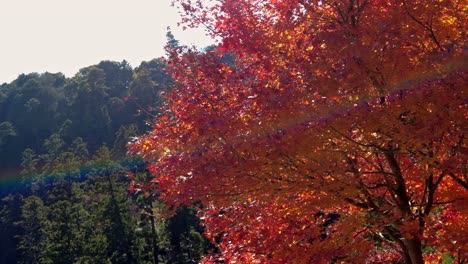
x=64, y=170
x=99, y=105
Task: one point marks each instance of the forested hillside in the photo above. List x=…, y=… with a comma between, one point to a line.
x=100, y=104
x=64, y=172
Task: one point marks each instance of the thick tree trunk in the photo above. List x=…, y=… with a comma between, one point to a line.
x=406, y=256
x=412, y=247
x=414, y=251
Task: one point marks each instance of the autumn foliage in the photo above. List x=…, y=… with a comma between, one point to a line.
x=336, y=134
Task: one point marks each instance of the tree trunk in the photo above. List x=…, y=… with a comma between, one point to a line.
x=414, y=251
x=153, y=237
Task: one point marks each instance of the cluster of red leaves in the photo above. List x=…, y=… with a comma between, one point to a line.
x=354, y=107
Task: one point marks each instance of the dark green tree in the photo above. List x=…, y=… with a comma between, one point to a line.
x=187, y=242
x=79, y=148
x=32, y=240
x=153, y=224
x=6, y=130
x=119, y=227
x=172, y=42
x=123, y=136
x=10, y=214
x=29, y=162
x=147, y=90
x=53, y=145
x=66, y=231
x=61, y=246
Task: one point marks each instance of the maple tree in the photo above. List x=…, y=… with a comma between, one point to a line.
x=337, y=134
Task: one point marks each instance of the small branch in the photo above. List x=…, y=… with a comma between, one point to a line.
x=357, y=204
x=344, y=19
x=431, y=32
x=377, y=186
x=360, y=232
x=352, y=140
x=447, y=202
x=458, y=180
x=378, y=172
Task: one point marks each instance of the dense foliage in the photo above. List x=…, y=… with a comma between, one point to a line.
x=336, y=133
x=64, y=171
x=94, y=104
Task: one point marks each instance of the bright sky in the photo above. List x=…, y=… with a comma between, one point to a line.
x=67, y=35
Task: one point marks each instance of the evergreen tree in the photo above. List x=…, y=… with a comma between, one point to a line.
x=61, y=246
x=172, y=42
x=123, y=135
x=32, y=240
x=6, y=130
x=119, y=227
x=10, y=214
x=29, y=162
x=79, y=148
x=53, y=146
x=187, y=243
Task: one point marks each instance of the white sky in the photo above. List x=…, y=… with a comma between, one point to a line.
x=67, y=35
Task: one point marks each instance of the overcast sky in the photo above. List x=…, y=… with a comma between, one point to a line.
x=66, y=35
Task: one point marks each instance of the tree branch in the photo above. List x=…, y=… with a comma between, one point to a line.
x=400, y=188
x=352, y=140
x=431, y=32
x=458, y=180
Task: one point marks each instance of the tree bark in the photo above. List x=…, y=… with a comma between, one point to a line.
x=153, y=237
x=413, y=246
x=414, y=250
